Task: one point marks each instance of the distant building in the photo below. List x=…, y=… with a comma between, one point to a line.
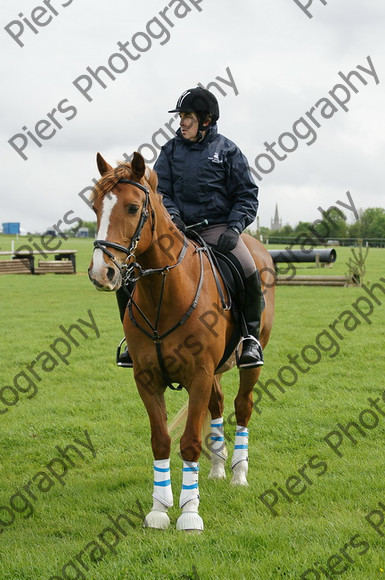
x=276, y=223
x=50, y=233
x=11, y=228
x=82, y=233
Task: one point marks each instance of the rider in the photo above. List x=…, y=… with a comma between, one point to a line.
x=202, y=174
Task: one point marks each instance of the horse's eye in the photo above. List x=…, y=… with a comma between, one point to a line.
x=133, y=209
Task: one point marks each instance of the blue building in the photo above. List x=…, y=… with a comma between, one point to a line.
x=11, y=228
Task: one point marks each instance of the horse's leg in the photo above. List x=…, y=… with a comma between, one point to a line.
x=243, y=407
x=215, y=440
x=191, y=447
x=153, y=399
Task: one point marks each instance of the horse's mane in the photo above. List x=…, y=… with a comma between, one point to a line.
x=121, y=171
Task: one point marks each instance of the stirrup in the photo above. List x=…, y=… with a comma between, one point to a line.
x=124, y=359
x=258, y=360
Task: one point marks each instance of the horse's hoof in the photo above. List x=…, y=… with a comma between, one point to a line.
x=239, y=474
x=239, y=480
x=156, y=519
x=190, y=522
x=217, y=472
x=218, y=466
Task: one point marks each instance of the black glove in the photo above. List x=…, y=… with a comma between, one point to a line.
x=179, y=223
x=227, y=241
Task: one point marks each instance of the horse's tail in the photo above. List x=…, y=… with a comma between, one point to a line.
x=176, y=426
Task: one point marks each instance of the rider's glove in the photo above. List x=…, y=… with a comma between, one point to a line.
x=228, y=240
x=179, y=223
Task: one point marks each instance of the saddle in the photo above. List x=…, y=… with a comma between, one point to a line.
x=229, y=270
x=232, y=277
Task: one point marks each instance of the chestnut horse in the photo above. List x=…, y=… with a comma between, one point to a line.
x=176, y=328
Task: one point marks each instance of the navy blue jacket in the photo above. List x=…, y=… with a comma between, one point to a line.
x=209, y=179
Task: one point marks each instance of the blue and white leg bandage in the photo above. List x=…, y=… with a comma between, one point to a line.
x=190, y=489
x=162, y=482
x=217, y=438
x=240, y=445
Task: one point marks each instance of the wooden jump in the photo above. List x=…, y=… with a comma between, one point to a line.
x=23, y=262
x=55, y=267
x=315, y=281
x=18, y=266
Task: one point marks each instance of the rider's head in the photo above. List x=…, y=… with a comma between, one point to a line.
x=199, y=110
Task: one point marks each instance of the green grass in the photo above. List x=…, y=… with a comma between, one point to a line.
x=242, y=539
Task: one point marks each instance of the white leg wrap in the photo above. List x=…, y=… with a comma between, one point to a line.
x=158, y=518
x=189, y=499
x=239, y=463
x=217, y=438
x=218, y=450
x=190, y=489
x=240, y=446
x=162, y=482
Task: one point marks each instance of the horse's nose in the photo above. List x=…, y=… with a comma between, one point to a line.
x=104, y=278
x=110, y=273
x=94, y=281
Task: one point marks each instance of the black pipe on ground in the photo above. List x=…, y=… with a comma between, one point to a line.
x=287, y=255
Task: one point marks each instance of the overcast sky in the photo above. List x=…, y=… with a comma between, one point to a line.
x=278, y=64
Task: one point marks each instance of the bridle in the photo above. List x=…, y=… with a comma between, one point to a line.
x=130, y=251
x=127, y=268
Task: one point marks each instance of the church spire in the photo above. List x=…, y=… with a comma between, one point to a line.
x=276, y=223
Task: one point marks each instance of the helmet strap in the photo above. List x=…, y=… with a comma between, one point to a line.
x=202, y=127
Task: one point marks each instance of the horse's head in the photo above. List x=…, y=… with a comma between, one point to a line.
x=121, y=202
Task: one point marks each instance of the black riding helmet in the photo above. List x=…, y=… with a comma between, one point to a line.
x=201, y=102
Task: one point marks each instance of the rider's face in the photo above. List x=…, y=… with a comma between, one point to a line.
x=189, y=126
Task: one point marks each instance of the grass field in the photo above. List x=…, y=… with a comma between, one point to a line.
x=321, y=485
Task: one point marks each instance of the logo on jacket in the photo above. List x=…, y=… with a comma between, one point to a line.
x=215, y=158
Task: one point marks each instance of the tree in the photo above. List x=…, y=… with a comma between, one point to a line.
x=336, y=221
x=302, y=228
x=287, y=230
x=371, y=224
x=377, y=227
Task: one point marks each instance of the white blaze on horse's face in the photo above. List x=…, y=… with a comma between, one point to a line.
x=104, y=276
x=109, y=201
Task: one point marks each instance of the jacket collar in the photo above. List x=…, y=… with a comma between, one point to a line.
x=210, y=135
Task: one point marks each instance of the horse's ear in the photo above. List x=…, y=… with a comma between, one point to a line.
x=102, y=164
x=138, y=166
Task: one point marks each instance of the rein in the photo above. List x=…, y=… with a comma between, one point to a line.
x=127, y=270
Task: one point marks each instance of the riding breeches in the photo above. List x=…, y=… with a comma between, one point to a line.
x=211, y=235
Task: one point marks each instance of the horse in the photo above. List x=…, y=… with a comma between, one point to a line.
x=176, y=327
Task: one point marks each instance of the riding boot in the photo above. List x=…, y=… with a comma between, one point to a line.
x=123, y=359
x=252, y=355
